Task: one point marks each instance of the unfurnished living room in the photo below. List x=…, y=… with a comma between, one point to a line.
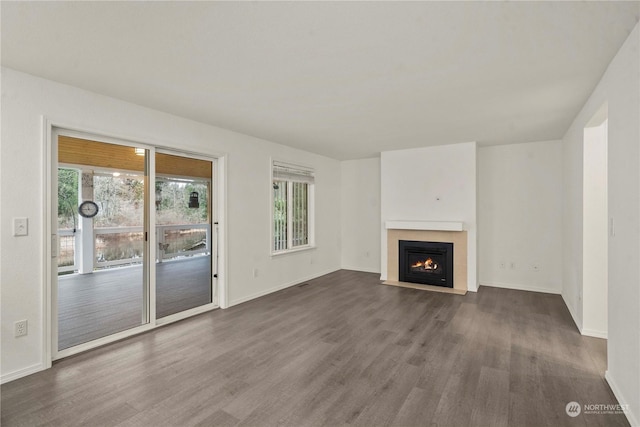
x=320, y=213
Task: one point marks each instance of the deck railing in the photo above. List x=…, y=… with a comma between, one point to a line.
x=182, y=240
x=115, y=246
x=67, y=251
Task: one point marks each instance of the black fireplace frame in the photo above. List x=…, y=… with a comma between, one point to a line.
x=404, y=270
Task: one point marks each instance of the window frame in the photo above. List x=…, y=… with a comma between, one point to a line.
x=289, y=211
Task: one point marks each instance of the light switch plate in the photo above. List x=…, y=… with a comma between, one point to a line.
x=20, y=226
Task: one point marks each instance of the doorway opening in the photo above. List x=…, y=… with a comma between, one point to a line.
x=595, y=227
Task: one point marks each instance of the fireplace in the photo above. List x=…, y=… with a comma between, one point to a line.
x=426, y=263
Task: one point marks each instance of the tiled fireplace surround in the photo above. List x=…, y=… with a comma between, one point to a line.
x=405, y=231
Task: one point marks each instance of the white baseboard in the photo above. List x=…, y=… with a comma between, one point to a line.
x=365, y=270
x=631, y=417
x=518, y=287
x=594, y=333
x=278, y=288
x=21, y=373
x=583, y=331
x=573, y=314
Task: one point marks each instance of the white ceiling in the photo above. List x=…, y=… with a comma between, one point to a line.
x=346, y=80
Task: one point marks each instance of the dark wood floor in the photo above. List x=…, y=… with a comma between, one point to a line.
x=95, y=305
x=340, y=350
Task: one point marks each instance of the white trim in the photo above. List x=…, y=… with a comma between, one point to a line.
x=631, y=417
x=594, y=333
x=49, y=302
x=364, y=270
x=290, y=216
x=311, y=217
x=151, y=243
x=101, y=137
x=294, y=250
x=519, y=287
x=146, y=320
x=221, y=234
x=280, y=287
x=425, y=225
x=49, y=314
x=11, y=376
x=573, y=314
x=186, y=314
x=77, y=130
x=90, y=345
x=210, y=227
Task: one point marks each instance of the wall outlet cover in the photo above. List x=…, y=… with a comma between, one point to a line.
x=20, y=226
x=20, y=328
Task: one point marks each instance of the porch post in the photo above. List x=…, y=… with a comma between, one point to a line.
x=160, y=240
x=87, y=245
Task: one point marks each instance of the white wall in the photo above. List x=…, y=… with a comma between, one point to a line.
x=361, y=215
x=25, y=99
x=520, y=216
x=595, y=234
x=431, y=184
x=620, y=89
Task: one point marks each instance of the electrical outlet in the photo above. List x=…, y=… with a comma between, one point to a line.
x=535, y=267
x=502, y=265
x=20, y=226
x=512, y=265
x=20, y=328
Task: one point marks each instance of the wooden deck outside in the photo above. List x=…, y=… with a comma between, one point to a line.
x=95, y=305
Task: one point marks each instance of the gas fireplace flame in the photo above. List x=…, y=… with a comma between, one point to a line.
x=428, y=264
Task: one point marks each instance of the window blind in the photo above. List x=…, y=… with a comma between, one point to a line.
x=283, y=172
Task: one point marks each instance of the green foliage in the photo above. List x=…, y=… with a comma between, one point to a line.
x=67, y=197
x=173, y=204
x=121, y=200
x=280, y=201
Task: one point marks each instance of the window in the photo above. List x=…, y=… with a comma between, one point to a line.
x=292, y=208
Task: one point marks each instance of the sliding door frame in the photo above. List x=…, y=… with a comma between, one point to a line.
x=214, y=213
x=50, y=130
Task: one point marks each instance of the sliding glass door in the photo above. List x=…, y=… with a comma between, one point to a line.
x=184, y=233
x=136, y=239
x=102, y=230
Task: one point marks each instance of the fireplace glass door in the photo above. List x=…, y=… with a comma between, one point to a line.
x=427, y=263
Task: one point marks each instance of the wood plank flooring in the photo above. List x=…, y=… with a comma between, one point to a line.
x=340, y=350
x=92, y=306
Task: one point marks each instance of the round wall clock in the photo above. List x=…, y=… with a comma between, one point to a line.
x=88, y=209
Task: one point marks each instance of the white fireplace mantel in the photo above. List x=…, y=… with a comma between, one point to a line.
x=425, y=225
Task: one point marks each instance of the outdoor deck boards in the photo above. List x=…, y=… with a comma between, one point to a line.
x=95, y=305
